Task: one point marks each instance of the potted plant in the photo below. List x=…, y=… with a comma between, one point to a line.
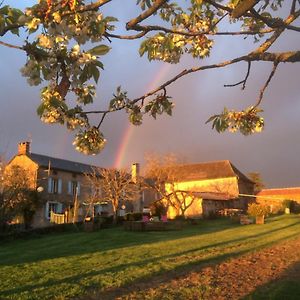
x=259, y=211
x=287, y=206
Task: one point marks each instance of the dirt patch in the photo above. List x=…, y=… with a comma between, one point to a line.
x=232, y=279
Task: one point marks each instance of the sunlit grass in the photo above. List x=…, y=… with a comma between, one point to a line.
x=68, y=265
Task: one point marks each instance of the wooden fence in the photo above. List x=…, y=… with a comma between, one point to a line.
x=57, y=218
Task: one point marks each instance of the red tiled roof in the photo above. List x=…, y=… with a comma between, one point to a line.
x=284, y=193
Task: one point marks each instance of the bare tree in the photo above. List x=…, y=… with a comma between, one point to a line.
x=163, y=179
x=19, y=197
x=114, y=185
x=256, y=178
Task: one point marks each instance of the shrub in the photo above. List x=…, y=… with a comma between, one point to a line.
x=133, y=216
x=180, y=218
x=287, y=203
x=256, y=210
x=158, y=209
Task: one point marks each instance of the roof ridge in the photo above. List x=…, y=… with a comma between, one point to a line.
x=203, y=163
x=72, y=161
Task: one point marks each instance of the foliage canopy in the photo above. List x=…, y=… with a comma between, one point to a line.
x=59, y=34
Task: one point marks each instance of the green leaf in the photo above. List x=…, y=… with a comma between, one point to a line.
x=211, y=118
x=111, y=19
x=99, y=50
x=40, y=109
x=84, y=74
x=99, y=64
x=4, y=10
x=95, y=73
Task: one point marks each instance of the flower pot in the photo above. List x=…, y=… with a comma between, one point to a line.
x=260, y=220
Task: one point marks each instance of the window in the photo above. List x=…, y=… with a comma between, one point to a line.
x=73, y=187
x=100, y=209
x=56, y=207
x=54, y=185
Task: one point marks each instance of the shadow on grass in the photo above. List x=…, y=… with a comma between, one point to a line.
x=68, y=244
x=64, y=245
x=286, y=287
x=187, y=266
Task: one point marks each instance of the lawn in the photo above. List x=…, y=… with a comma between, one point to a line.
x=74, y=264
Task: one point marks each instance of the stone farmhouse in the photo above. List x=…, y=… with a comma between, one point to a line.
x=213, y=186
x=60, y=182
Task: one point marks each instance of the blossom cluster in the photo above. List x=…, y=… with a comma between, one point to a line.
x=56, y=49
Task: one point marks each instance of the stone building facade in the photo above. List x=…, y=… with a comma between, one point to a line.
x=60, y=182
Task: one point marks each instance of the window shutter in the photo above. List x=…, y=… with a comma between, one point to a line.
x=50, y=191
x=78, y=188
x=70, y=188
x=47, y=210
x=59, y=190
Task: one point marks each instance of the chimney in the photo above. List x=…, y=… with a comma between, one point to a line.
x=24, y=148
x=135, y=172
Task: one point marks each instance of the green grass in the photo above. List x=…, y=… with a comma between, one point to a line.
x=278, y=290
x=68, y=265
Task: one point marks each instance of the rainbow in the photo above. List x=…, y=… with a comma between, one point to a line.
x=128, y=132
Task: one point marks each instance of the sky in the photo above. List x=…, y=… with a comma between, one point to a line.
x=274, y=153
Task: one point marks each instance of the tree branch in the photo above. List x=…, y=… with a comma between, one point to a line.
x=133, y=22
x=10, y=27
x=126, y=37
x=11, y=46
x=242, y=7
x=262, y=91
x=276, y=23
x=242, y=81
x=93, y=6
x=148, y=28
x=276, y=58
x=293, y=7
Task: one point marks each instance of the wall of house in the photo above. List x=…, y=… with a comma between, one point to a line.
x=39, y=177
x=63, y=195
x=220, y=185
x=27, y=164
x=195, y=209
x=199, y=207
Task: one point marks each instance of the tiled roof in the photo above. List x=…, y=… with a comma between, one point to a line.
x=60, y=164
x=208, y=170
x=284, y=193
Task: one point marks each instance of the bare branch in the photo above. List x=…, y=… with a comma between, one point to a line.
x=262, y=91
x=276, y=58
x=292, y=56
x=126, y=37
x=11, y=46
x=242, y=81
x=102, y=119
x=293, y=7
